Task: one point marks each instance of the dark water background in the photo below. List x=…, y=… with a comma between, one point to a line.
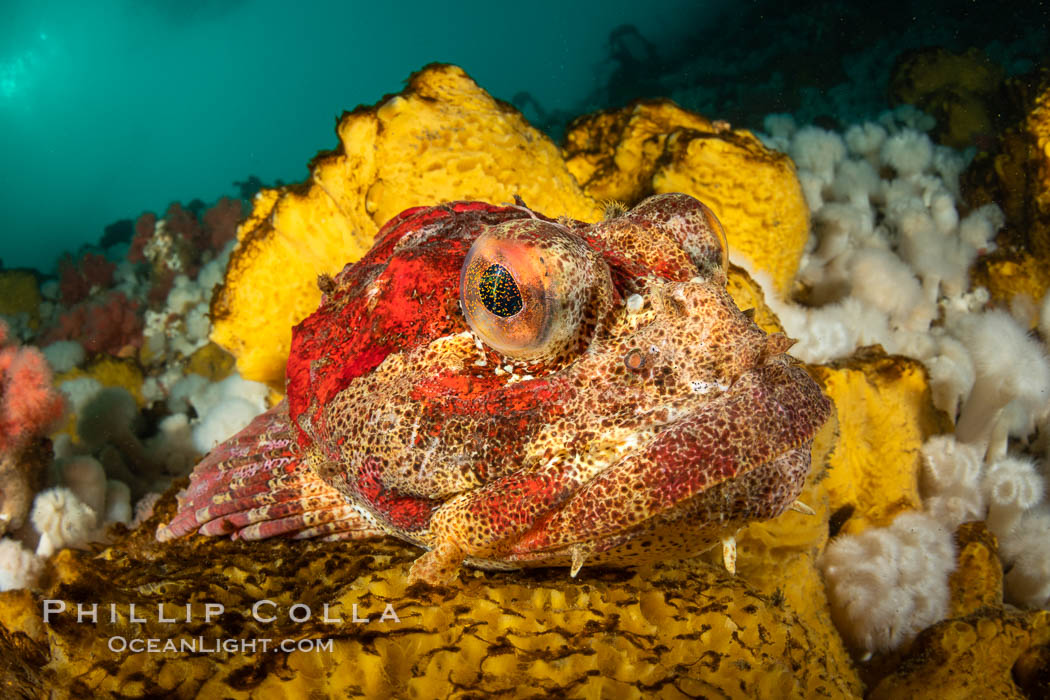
x=114, y=107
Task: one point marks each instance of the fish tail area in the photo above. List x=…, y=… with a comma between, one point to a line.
x=256, y=485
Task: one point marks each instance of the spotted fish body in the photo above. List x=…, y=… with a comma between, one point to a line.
x=507, y=390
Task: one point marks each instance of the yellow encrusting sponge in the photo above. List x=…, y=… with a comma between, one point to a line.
x=655, y=146
x=442, y=139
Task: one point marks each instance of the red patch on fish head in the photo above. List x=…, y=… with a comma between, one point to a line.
x=403, y=293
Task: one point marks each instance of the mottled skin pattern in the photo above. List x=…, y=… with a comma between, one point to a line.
x=626, y=410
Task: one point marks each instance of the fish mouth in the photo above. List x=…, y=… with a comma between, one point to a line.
x=756, y=436
x=690, y=528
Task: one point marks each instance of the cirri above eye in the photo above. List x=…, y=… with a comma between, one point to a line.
x=533, y=289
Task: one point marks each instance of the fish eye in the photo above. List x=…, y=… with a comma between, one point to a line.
x=532, y=289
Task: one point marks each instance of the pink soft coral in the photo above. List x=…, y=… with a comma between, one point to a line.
x=183, y=223
x=144, y=227
x=29, y=404
x=220, y=222
x=111, y=325
x=178, y=243
x=78, y=280
x=29, y=408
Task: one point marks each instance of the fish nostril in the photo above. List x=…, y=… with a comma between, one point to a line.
x=634, y=360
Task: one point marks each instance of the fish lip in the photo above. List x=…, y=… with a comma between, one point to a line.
x=560, y=553
x=785, y=409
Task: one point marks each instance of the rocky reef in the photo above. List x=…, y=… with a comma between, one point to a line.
x=916, y=575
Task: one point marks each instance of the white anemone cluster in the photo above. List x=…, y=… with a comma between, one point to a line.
x=183, y=325
x=960, y=484
x=888, y=263
x=887, y=584
x=72, y=514
x=19, y=567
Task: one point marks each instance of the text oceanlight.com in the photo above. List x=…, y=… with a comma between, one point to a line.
x=200, y=645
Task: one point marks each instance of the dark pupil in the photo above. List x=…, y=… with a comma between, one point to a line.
x=499, y=294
